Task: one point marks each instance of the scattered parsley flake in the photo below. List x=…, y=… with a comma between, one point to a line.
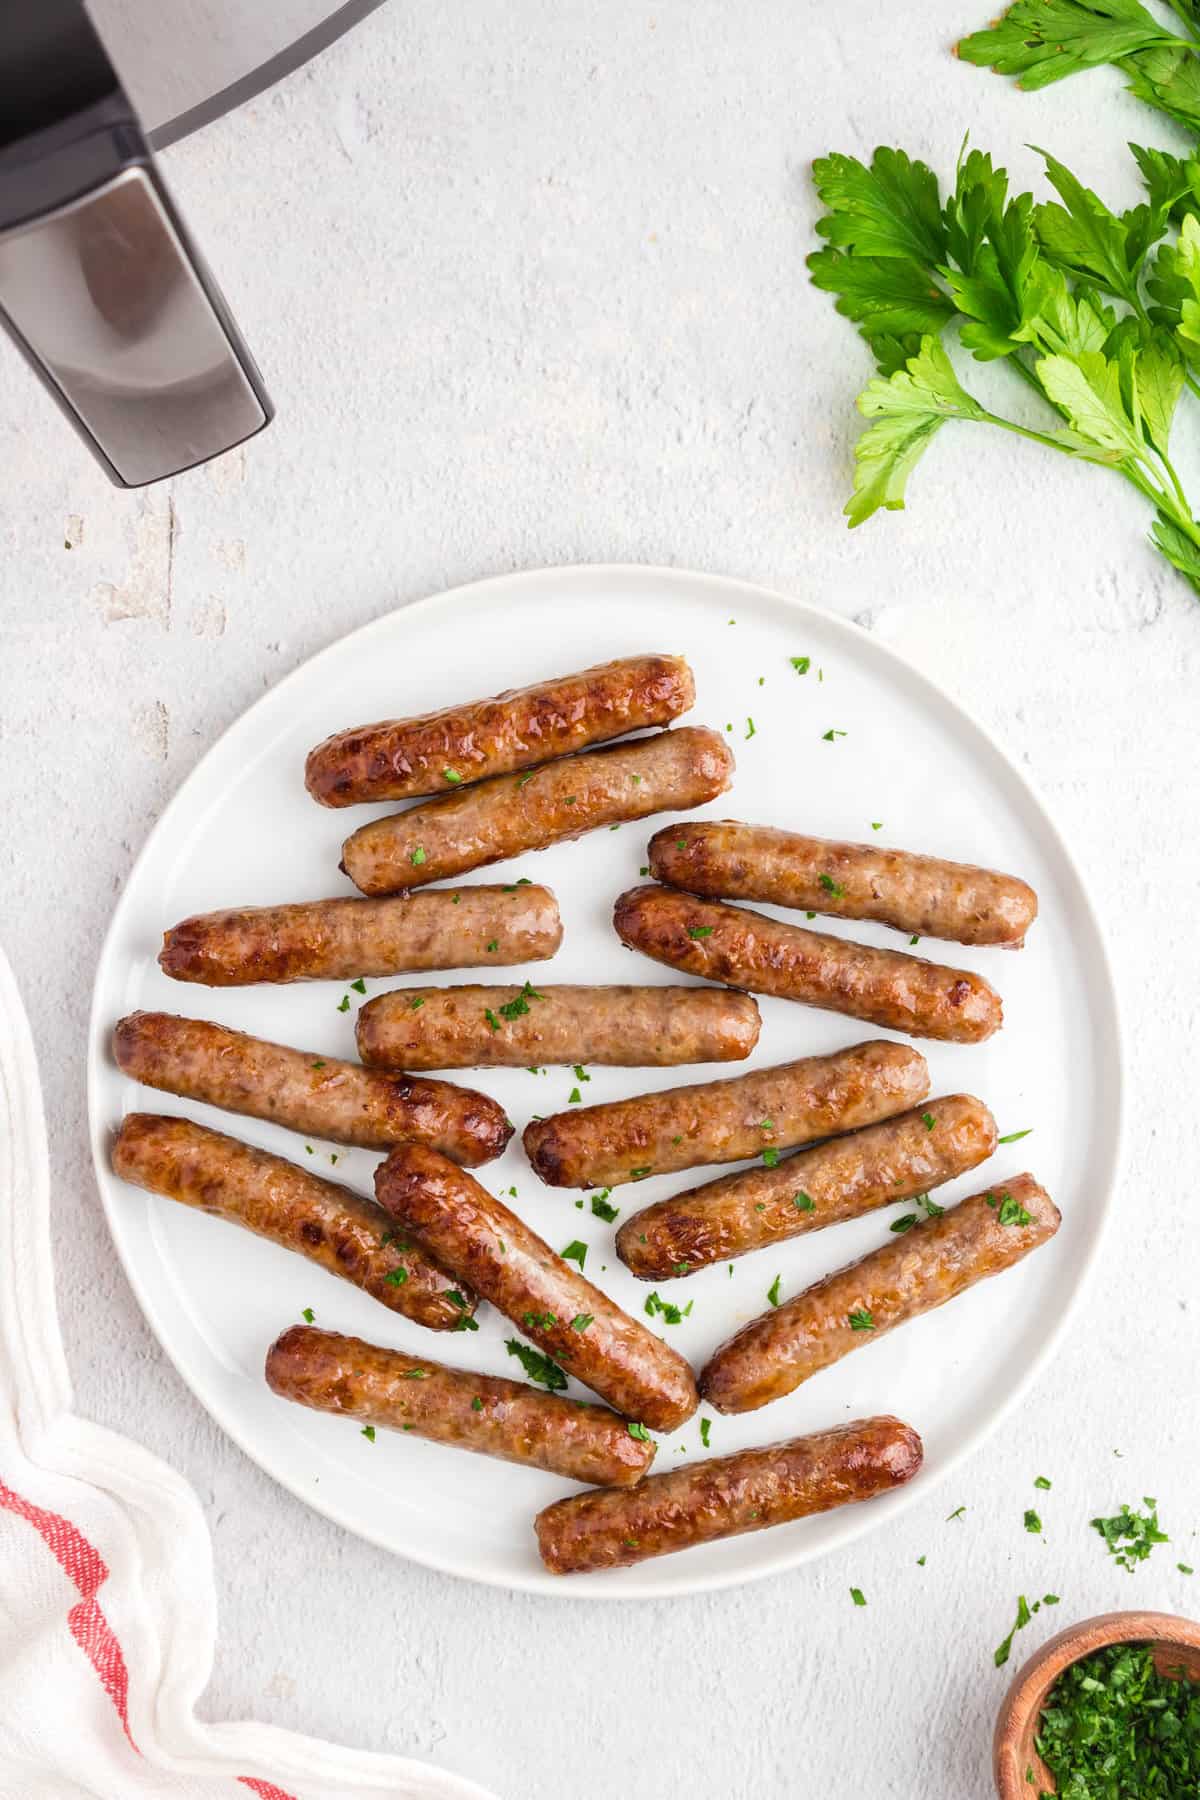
x=804, y=1202
x=1032, y=1522
x=581, y=1321
x=956, y=1514
x=801, y=664
x=359, y=986
x=368, y=1432
x=770, y=1156
x=836, y=888
x=700, y=931
x=417, y=857
x=858, y=1597
x=827, y=737
x=539, y=1368
x=1040, y=1481
x=705, y=1428
x=861, y=1321
x=397, y=1277
x=773, y=1291
x=575, y=1252
x=928, y=1121
x=637, y=1430
x=1003, y=1650
x=492, y=945
x=344, y=1003
x=477, y=1404
x=1131, y=1536
x=308, y=1315
x=416, y=1003
x=750, y=728
x=452, y=776
x=491, y=1018
x=1014, y=1137
x=602, y=1208
x=904, y=1223
x=574, y=1098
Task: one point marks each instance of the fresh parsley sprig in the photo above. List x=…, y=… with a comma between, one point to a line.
x=1065, y=292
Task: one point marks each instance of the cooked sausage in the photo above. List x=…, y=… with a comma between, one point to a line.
x=748, y=950
x=840, y=1179
x=724, y=1121
x=905, y=1277
x=497, y=1254
x=485, y=1413
x=317, y=1095
x=512, y=813
x=338, y=940
x=331, y=1225
x=513, y=1027
x=400, y=759
x=729, y=1495
x=926, y=895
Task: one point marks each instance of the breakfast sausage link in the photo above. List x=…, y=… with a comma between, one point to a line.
x=484, y=1413
x=724, y=1121
x=513, y=813
x=925, y=895
x=332, y=1226
x=749, y=1491
x=317, y=1095
x=497, y=1254
x=840, y=1179
x=400, y=759
x=513, y=1027
x=749, y=950
x=339, y=940
x=911, y=1275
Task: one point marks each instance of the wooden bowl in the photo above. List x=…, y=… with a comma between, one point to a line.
x=1176, y=1646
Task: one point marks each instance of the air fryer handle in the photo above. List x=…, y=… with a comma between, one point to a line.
x=100, y=285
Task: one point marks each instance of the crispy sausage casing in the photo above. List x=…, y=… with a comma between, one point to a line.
x=513, y=813
x=723, y=1121
x=473, y=1027
x=317, y=1095
x=485, y=1413
x=726, y=860
x=749, y=950
x=908, y=1276
x=338, y=940
x=498, y=1255
x=727, y=1496
x=840, y=1179
x=401, y=759
x=333, y=1227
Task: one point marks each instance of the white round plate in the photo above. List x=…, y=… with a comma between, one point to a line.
x=243, y=831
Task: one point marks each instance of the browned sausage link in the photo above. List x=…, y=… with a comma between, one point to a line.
x=749, y=950
x=726, y=860
x=841, y=1179
x=497, y=1254
x=724, y=1121
x=314, y=1094
x=908, y=1276
x=514, y=813
x=400, y=759
x=727, y=1496
x=485, y=1413
x=338, y=940
x=331, y=1225
x=513, y=1027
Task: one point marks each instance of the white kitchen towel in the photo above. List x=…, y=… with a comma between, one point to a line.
x=107, y=1602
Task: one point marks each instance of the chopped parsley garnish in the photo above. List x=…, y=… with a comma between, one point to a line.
x=801, y=664
x=344, y=1003
x=359, y=986
x=398, y=1276
x=602, y=1208
x=1040, y=1481
x=527, y=777
x=1003, y=1650
x=1015, y=1137
x=368, y=1432
x=575, y=1252
x=827, y=737
x=645, y=869
x=773, y=1291
x=452, y=776
x=417, y=857
x=861, y=1321
x=638, y=1431
x=416, y=1374
x=308, y=1315
x=770, y=1156
x=1131, y=1536
x=681, y=843
x=491, y=1018
x=569, y=799
x=705, y=1428
x=539, y=1321
x=956, y=1514
x=317, y=1065
x=1032, y=1522
x=574, y=1098
x=539, y=1368
x=928, y=1121
x=904, y=1223
x=477, y=1404
x=831, y=886
x=581, y=1321
x=914, y=939
x=1011, y=1212
x=640, y=1174
x=699, y=931
x=416, y=1003
x=876, y=824
x=750, y=728
x=1112, y=1725
x=580, y=1073
x=309, y=1151
x=666, y=1310
x=920, y=1562
x=680, y=1268
x=492, y=945
x=931, y=1206
x=804, y=1202
x=858, y=1597
x=518, y=1007
x=464, y=1322
x=1184, y=1569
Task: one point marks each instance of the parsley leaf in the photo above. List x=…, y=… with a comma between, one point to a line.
x=1131, y=1536
x=602, y=1207
x=909, y=407
x=773, y=1291
x=861, y=1321
x=539, y=1368
x=575, y=1252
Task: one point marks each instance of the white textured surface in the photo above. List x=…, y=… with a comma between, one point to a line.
x=527, y=284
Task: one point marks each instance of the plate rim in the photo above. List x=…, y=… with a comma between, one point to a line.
x=859, y=1522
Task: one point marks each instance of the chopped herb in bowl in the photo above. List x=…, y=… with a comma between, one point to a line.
x=1114, y=1728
